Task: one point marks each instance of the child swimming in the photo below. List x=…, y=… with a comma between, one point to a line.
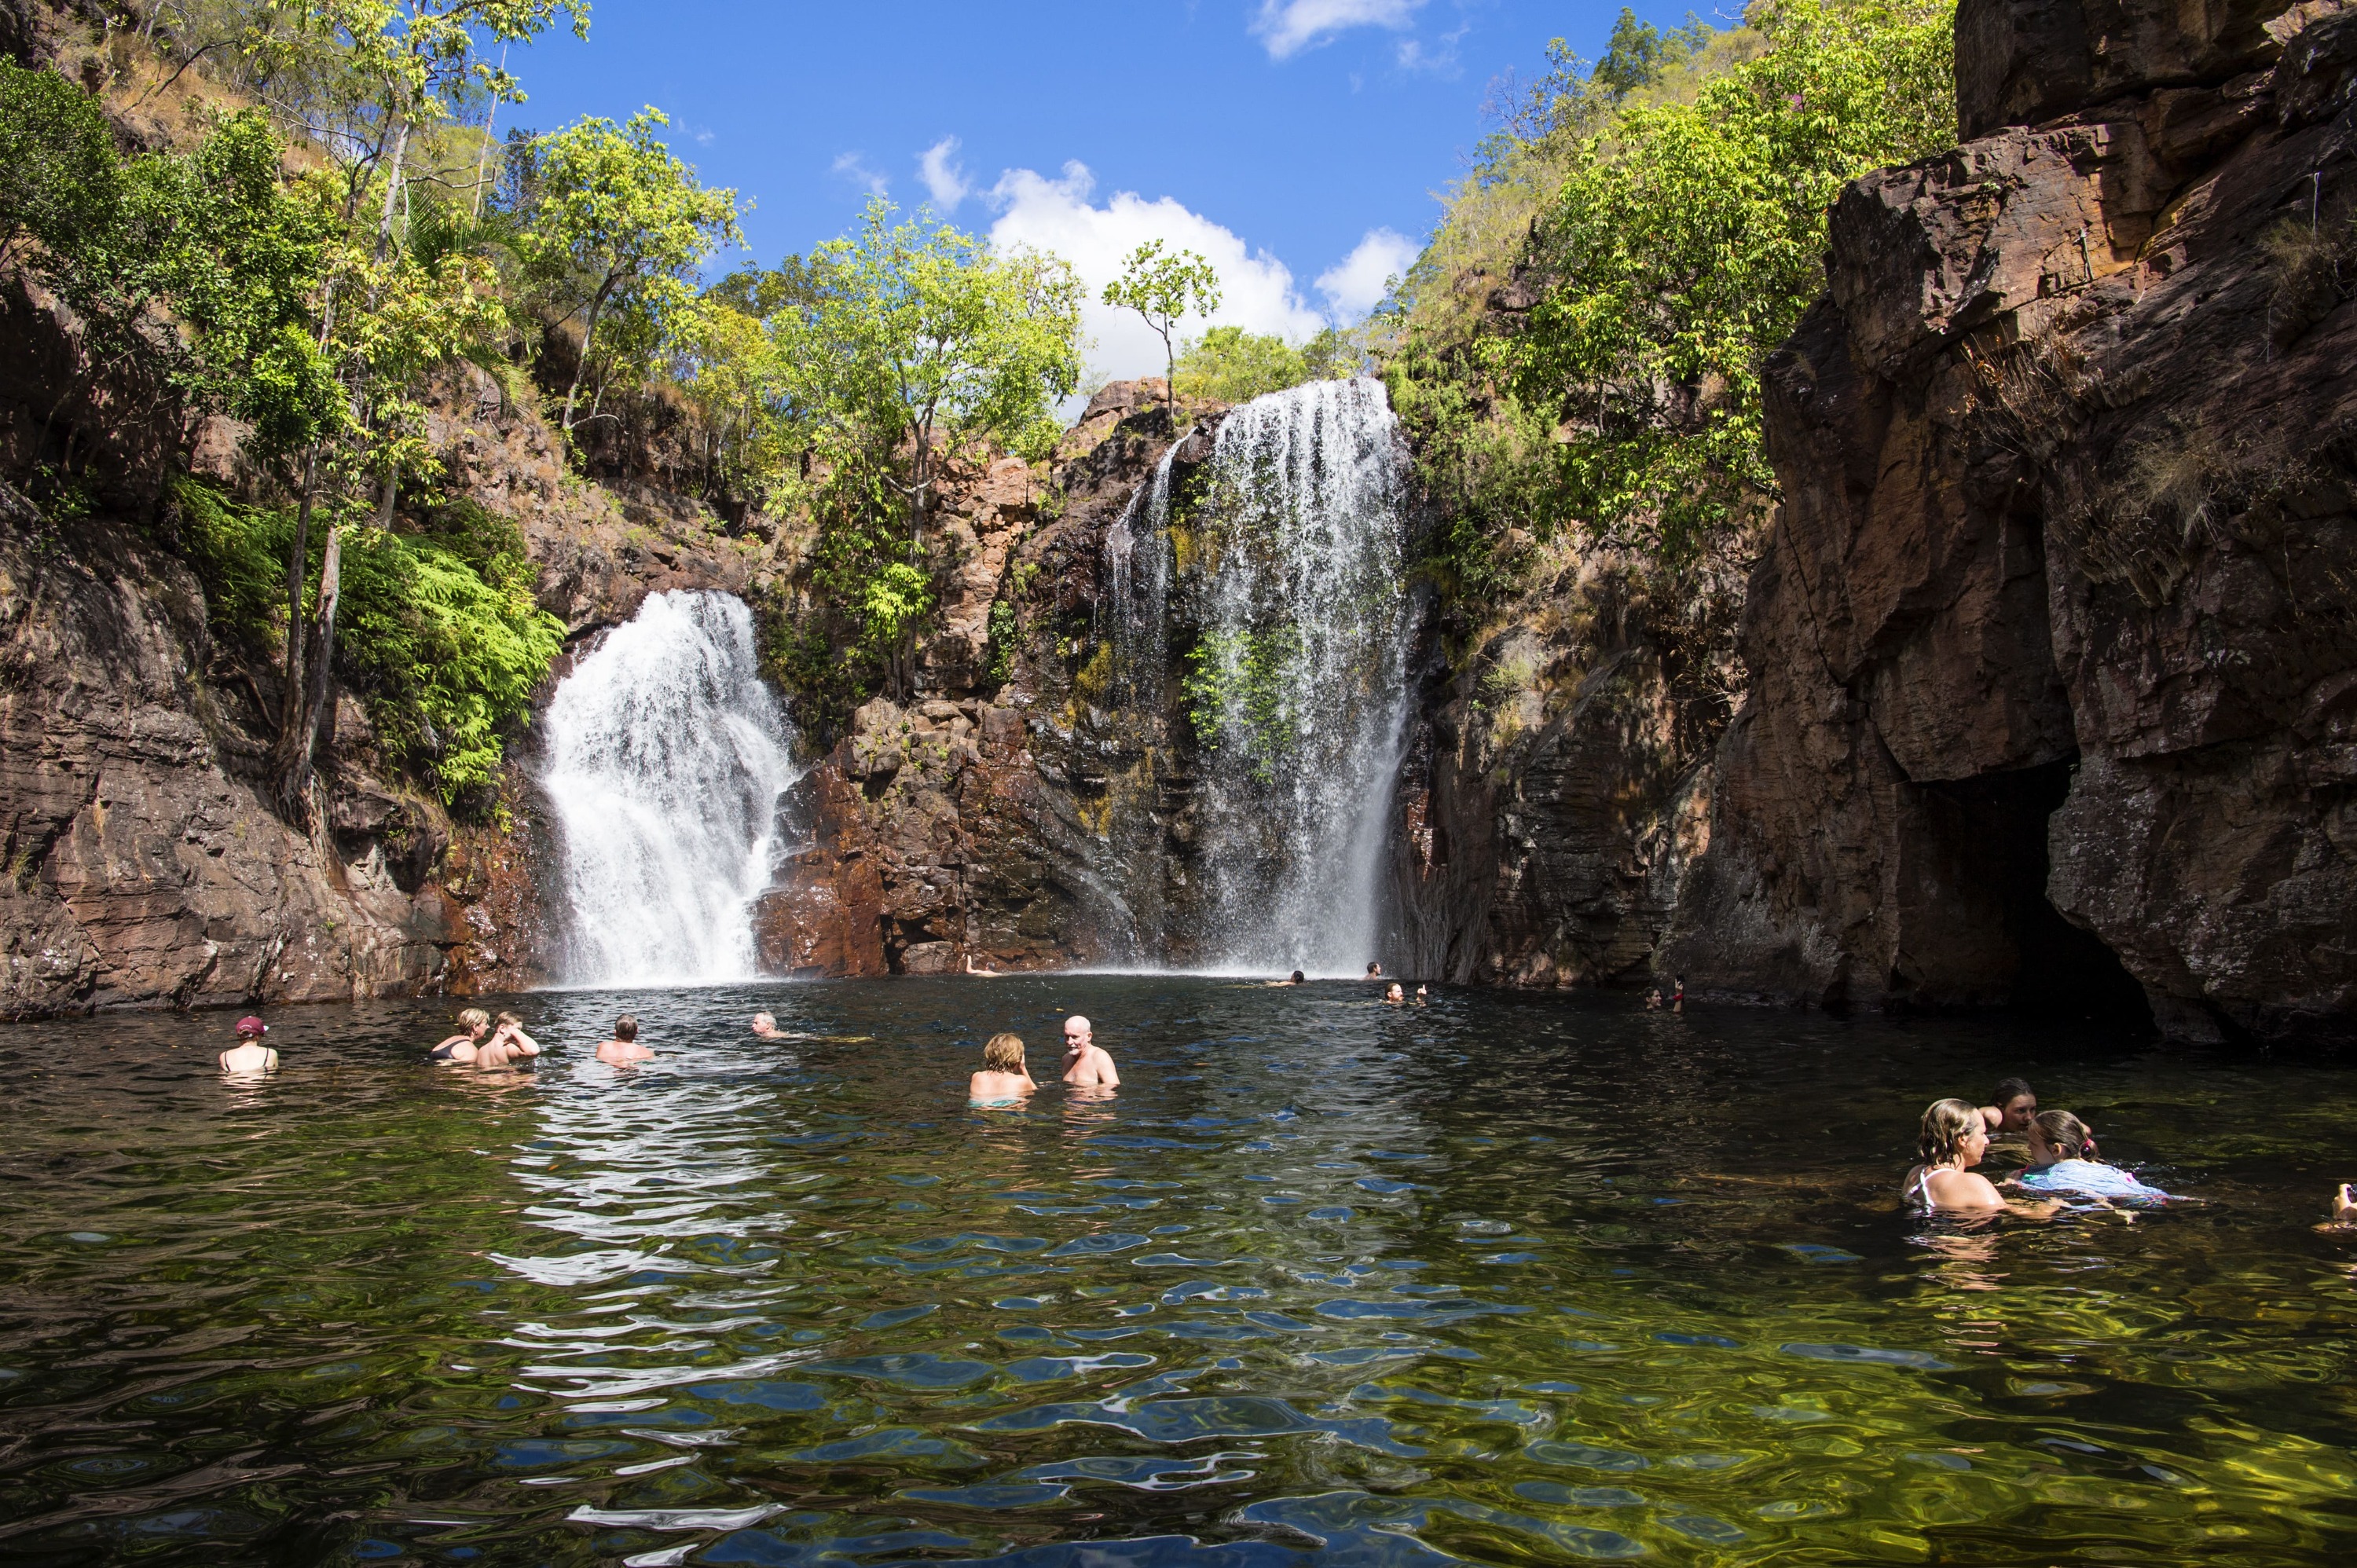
x=1004, y=1079
x=2060, y=1161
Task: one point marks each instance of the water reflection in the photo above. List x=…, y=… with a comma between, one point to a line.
x=1501, y=1280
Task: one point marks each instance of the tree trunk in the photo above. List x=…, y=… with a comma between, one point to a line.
x=296, y=776
x=588, y=335
x=392, y=182
x=298, y=561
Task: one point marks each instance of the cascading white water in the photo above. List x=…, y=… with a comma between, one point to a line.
x=666, y=756
x=1296, y=682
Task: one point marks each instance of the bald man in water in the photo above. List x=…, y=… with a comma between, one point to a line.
x=1086, y=1065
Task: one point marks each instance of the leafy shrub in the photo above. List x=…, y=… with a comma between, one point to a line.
x=436, y=632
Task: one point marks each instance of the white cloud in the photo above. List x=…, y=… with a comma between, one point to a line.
x=1288, y=26
x=945, y=181
x=853, y=166
x=1357, y=283
x=1411, y=54
x=1257, y=290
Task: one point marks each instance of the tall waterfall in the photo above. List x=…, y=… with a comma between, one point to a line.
x=666, y=759
x=1277, y=585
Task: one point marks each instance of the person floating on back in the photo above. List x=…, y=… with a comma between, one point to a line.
x=1952, y=1141
x=2010, y=1109
x=2062, y=1160
x=250, y=1056
x=1294, y=979
x=473, y=1024
x=1004, y=1079
x=1086, y=1063
x=508, y=1045
x=624, y=1047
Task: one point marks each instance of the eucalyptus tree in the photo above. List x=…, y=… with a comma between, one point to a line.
x=618, y=229
x=1165, y=289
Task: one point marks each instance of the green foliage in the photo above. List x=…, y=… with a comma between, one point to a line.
x=1006, y=631
x=1164, y=288
x=60, y=181
x=1684, y=246
x=1237, y=696
x=1227, y=364
x=440, y=637
x=619, y=227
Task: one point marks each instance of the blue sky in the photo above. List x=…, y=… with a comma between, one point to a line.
x=1295, y=142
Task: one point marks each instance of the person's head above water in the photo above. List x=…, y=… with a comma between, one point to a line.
x=2059, y=1135
x=1952, y=1133
x=1002, y=1053
x=2015, y=1105
x=1375, y=969
x=625, y=1028
x=765, y=1023
x=474, y=1020
x=1299, y=978
x=1076, y=1031
x=1394, y=993
x=251, y=1027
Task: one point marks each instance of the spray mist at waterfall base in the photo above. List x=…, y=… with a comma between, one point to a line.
x=666, y=759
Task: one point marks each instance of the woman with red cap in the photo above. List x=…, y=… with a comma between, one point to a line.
x=250, y=1055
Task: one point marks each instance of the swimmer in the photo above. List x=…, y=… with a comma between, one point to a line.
x=1423, y=995
x=1375, y=972
x=474, y=1024
x=250, y=1055
x=1004, y=1079
x=2344, y=1211
x=1394, y=996
x=507, y=1044
x=624, y=1047
x=1086, y=1063
x=2062, y=1159
x=1653, y=999
x=979, y=974
x=1297, y=978
x=2012, y=1108
x=765, y=1028
x=1678, y=994
x=1952, y=1143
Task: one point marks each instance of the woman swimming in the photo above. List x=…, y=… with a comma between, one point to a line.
x=460, y=1047
x=2062, y=1160
x=1951, y=1140
x=1004, y=1079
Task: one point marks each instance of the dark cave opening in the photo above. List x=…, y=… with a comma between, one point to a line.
x=1995, y=831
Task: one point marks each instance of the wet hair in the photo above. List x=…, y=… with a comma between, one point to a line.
x=1002, y=1053
x=1947, y=1125
x=1396, y=989
x=474, y=1019
x=511, y=1020
x=1298, y=977
x=2009, y=1090
x=1376, y=968
x=625, y=1028
x=2071, y=1137
x=761, y=1019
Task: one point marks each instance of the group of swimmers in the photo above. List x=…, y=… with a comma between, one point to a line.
x=1004, y=1080
x=2062, y=1167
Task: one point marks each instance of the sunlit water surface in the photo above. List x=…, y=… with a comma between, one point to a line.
x=1507, y=1280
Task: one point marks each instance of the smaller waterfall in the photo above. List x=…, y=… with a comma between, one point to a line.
x=666, y=759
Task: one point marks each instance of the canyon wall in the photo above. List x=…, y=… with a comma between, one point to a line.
x=2052, y=697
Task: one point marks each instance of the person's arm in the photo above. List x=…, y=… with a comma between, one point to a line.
x=523, y=1042
x=269, y=1059
x=1109, y=1075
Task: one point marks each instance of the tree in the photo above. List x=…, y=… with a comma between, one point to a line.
x=620, y=225
x=390, y=67
x=1227, y=364
x=1164, y=289
x=1684, y=246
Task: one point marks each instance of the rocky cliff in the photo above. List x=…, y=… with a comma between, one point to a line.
x=2052, y=652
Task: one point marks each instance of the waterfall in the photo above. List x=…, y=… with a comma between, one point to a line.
x=666, y=756
x=1276, y=584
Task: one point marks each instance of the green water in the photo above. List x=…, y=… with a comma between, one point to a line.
x=1505, y=1280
